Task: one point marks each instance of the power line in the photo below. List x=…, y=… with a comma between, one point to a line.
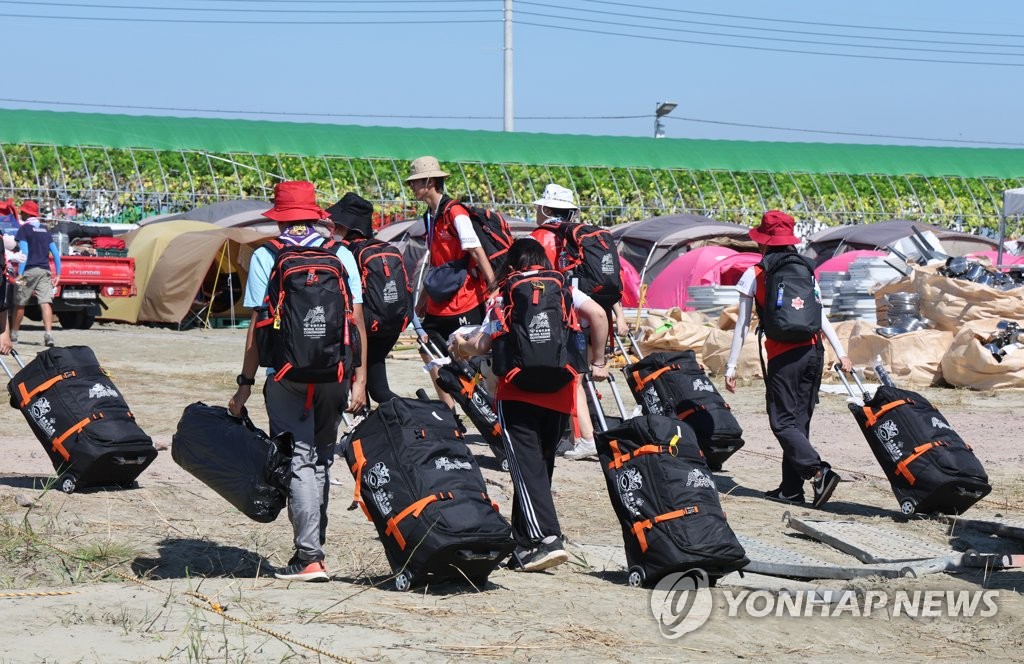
x=774, y=39
x=645, y=116
x=827, y=25
x=843, y=133
x=773, y=50
x=324, y=115
x=126, y=19
x=253, y=11
x=773, y=29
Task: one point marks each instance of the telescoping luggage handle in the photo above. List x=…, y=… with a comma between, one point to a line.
x=863, y=396
x=17, y=358
x=596, y=402
x=622, y=347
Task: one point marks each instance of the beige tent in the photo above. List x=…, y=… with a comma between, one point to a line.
x=181, y=265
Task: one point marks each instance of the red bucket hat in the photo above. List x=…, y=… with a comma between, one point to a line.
x=8, y=206
x=31, y=208
x=776, y=230
x=295, y=201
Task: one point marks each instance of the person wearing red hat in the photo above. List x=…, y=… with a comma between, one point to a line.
x=34, y=278
x=315, y=433
x=792, y=373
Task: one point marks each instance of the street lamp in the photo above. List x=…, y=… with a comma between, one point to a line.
x=661, y=110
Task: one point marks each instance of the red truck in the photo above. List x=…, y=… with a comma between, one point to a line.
x=84, y=283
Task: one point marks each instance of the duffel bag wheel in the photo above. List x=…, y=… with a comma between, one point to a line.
x=403, y=582
x=68, y=483
x=636, y=577
x=129, y=485
x=908, y=506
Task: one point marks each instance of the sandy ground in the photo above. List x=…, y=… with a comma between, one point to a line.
x=140, y=571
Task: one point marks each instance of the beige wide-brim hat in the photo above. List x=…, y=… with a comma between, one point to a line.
x=425, y=167
x=557, y=197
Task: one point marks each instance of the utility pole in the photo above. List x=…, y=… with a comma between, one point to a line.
x=507, y=124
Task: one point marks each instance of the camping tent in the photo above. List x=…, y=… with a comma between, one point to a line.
x=841, y=262
x=1013, y=204
x=630, y=283
x=226, y=214
x=176, y=261
x=657, y=241
x=702, y=266
x=833, y=241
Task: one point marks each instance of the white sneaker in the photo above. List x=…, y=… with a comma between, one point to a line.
x=583, y=449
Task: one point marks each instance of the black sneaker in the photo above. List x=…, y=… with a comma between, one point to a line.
x=778, y=496
x=302, y=570
x=546, y=555
x=824, y=484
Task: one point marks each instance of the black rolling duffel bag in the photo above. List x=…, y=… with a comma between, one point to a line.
x=675, y=384
x=460, y=382
x=420, y=485
x=81, y=418
x=231, y=456
x=666, y=500
x=928, y=465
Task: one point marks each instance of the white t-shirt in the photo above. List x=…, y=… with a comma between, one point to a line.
x=747, y=285
x=467, y=234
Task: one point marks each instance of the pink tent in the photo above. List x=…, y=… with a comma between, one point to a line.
x=630, y=284
x=1008, y=259
x=841, y=263
x=699, y=267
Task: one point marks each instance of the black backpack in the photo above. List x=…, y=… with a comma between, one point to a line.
x=540, y=347
x=792, y=305
x=387, y=306
x=589, y=255
x=494, y=234
x=305, y=331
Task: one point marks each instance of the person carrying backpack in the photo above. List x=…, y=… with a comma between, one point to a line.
x=387, y=298
x=459, y=278
x=783, y=290
x=557, y=217
x=536, y=355
x=306, y=327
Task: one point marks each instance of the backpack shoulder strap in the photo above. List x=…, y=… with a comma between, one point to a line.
x=274, y=246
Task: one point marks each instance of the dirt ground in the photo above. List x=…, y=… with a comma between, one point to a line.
x=171, y=572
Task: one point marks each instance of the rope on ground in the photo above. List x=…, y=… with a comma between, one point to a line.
x=214, y=607
x=207, y=603
x=52, y=593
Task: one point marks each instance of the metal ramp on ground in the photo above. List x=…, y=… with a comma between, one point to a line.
x=873, y=544
x=780, y=561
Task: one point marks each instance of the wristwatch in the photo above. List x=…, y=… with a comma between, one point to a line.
x=242, y=379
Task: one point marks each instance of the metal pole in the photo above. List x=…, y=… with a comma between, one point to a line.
x=1002, y=237
x=508, y=67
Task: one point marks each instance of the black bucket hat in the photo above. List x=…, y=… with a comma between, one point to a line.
x=354, y=213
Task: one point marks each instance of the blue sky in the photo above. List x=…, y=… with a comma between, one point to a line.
x=361, y=62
